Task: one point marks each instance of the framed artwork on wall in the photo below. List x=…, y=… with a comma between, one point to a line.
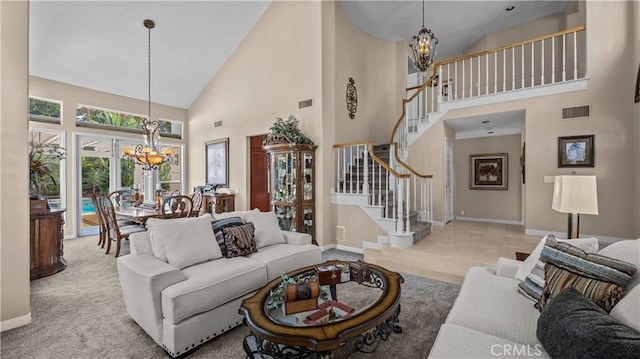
x=217, y=166
x=489, y=171
x=576, y=151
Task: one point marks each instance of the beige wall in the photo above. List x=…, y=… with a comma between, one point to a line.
x=426, y=156
x=349, y=52
x=488, y=204
x=71, y=96
x=275, y=66
x=612, y=122
x=528, y=30
x=308, y=50
x=14, y=208
x=636, y=117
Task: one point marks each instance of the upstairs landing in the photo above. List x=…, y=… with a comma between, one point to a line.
x=449, y=252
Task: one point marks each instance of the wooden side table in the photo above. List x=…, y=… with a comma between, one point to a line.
x=46, y=232
x=218, y=203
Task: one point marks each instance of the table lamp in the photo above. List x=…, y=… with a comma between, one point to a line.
x=575, y=195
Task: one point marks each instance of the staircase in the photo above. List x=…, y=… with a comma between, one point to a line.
x=396, y=196
x=368, y=179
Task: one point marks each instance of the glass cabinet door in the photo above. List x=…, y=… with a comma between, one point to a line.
x=286, y=217
x=283, y=177
x=307, y=176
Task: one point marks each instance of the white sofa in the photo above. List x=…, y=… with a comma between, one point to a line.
x=183, y=308
x=490, y=318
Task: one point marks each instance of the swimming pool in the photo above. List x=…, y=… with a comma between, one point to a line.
x=87, y=206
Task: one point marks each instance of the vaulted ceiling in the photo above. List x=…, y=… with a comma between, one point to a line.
x=102, y=45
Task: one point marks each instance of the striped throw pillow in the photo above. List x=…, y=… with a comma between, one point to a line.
x=221, y=224
x=599, y=278
x=533, y=281
x=239, y=240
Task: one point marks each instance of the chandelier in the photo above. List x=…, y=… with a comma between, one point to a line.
x=148, y=155
x=423, y=46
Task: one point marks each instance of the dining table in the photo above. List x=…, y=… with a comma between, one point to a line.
x=137, y=214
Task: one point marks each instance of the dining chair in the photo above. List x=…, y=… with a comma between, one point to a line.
x=116, y=231
x=102, y=225
x=121, y=197
x=197, y=202
x=177, y=206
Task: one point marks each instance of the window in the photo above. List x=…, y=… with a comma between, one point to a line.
x=170, y=174
x=46, y=168
x=113, y=120
x=43, y=110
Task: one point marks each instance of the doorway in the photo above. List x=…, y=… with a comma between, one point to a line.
x=259, y=177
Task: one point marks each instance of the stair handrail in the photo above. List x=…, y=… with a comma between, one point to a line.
x=405, y=165
x=516, y=44
x=377, y=159
x=419, y=89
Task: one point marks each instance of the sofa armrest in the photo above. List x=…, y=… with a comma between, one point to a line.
x=140, y=243
x=142, y=279
x=296, y=238
x=507, y=267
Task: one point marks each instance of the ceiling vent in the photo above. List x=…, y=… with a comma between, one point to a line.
x=573, y=113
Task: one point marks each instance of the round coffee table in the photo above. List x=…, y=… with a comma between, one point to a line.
x=366, y=313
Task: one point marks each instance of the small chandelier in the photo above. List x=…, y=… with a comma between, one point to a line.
x=423, y=46
x=148, y=155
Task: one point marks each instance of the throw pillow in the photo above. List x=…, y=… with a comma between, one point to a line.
x=600, y=278
x=571, y=326
x=239, y=240
x=628, y=251
x=267, y=228
x=156, y=225
x=219, y=225
x=241, y=214
x=531, y=271
x=186, y=242
x=627, y=311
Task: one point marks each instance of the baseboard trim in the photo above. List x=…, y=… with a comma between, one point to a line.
x=15, y=322
x=489, y=220
x=603, y=240
x=350, y=249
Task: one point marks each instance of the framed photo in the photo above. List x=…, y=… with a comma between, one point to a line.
x=489, y=171
x=576, y=151
x=217, y=166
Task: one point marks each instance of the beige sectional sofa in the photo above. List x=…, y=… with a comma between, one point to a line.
x=491, y=318
x=182, y=304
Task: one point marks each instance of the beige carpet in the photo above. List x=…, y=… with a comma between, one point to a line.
x=79, y=313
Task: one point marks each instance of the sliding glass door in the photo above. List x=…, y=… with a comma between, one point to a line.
x=103, y=170
x=95, y=164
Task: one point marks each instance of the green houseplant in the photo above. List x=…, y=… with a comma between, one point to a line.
x=286, y=131
x=44, y=161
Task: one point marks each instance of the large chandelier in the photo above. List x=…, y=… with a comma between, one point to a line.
x=147, y=155
x=423, y=46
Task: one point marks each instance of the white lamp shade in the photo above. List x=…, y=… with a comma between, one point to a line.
x=575, y=194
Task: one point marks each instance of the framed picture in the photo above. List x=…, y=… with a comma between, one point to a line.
x=217, y=166
x=576, y=151
x=489, y=171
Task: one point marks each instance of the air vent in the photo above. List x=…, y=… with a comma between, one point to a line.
x=217, y=124
x=305, y=103
x=572, y=113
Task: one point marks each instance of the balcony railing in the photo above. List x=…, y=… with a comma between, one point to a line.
x=547, y=60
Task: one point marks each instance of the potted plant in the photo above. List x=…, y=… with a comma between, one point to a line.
x=42, y=157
